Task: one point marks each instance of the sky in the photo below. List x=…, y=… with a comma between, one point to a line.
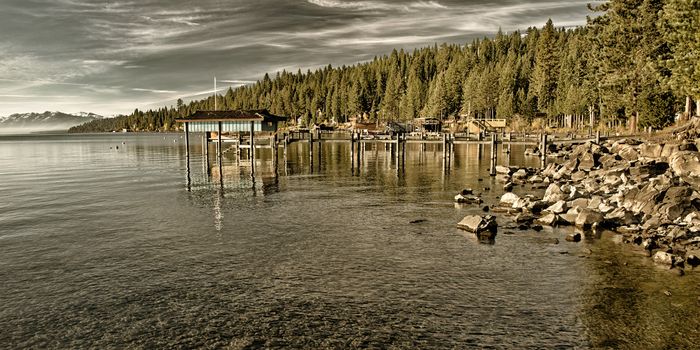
x=110, y=57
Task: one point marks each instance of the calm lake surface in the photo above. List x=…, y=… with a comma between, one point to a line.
x=108, y=248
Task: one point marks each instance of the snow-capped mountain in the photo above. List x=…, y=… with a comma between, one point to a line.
x=47, y=121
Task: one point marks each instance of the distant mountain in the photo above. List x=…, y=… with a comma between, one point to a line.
x=47, y=121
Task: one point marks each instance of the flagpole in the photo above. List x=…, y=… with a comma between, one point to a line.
x=214, y=93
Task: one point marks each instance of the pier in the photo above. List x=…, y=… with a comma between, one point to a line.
x=245, y=132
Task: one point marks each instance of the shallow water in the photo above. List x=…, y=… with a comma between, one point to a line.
x=111, y=248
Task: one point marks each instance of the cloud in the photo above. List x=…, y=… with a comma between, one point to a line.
x=377, y=5
x=154, y=91
x=37, y=96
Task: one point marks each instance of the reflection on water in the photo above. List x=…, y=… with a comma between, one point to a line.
x=105, y=247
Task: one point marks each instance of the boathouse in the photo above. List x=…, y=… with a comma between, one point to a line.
x=226, y=122
x=230, y=126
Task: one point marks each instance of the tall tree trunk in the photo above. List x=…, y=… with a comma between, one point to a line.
x=688, y=106
x=633, y=122
x=697, y=108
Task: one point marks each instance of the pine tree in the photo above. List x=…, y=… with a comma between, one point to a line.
x=543, y=81
x=679, y=25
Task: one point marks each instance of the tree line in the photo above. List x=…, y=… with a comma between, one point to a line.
x=634, y=61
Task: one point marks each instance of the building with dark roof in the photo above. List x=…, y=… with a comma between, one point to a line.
x=233, y=121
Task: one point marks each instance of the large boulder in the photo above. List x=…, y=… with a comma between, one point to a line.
x=685, y=163
x=478, y=224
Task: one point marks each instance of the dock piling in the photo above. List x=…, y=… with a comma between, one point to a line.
x=492, y=168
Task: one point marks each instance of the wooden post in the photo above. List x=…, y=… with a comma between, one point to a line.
x=320, y=149
x=398, y=146
x=238, y=147
x=218, y=144
x=219, y=158
x=273, y=144
x=205, y=149
x=492, y=168
x=352, y=151
x=543, y=151
x=187, y=140
x=597, y=137
x=311, y=146
x=358, y=154
x=510, y=141
x=252, y=148
x=444, y=146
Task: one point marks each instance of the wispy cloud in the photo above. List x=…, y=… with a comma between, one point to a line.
x=377, y=5
x=154, y=91
x=38, y=96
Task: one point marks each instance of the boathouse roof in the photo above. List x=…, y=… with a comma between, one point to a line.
x=237, y=115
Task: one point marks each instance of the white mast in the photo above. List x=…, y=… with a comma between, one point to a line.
x=215, y=93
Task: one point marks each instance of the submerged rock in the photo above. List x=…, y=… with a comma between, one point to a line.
x=478, y=224
x=467, y=199
x=573, y=237
x=667, y=259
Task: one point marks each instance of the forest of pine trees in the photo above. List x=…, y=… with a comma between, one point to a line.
x=635, y=62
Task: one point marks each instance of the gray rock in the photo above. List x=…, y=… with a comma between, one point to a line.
x=523, y=218
x=650, y=150
x=669, y=149
x=578, y=176
x=621, y=217
x=548, y=220
x=509, y=198
x=568, y=218
x=587, y=162
x=580, y=202
x=500, y=169
x=685, y=163
x=467, y=199
x=478, y=224
x=557, y=208
x=587, y=218
x=573, y=237
x=553, y=194
x=628, y=152
x=520, y=174
x=521, y=203
x=687, y=146
x=663, y=258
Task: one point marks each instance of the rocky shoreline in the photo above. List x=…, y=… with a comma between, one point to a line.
x=647, y=191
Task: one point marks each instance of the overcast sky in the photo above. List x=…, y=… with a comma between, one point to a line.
x=110, y=57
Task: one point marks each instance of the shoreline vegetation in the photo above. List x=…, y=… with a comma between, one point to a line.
x=631, y=67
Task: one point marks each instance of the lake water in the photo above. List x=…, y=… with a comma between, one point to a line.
x=106, y=247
